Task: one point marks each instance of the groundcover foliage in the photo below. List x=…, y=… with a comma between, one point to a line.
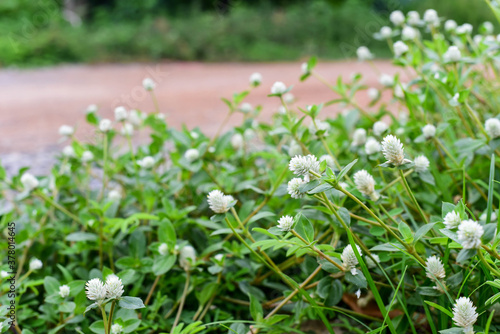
x=380, y=219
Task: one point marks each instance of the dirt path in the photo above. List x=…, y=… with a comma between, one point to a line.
x=34, y=103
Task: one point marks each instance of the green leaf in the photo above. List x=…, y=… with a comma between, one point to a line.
x=422, y=231
x=406, y=232
x=81, y=236
x=255, y=308
x=131, y=303
x=439, y=307
x=51, y=285
x=465, y=254
x=304, y=228
x=163, y=264
x=358, y=280
x=346, y=169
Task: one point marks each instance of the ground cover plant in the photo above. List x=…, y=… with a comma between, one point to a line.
x=381, y=219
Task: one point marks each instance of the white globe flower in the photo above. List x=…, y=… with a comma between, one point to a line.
x=431, y=18
x=95, y=290
x=187, y=257
x=114, y=195
x=399, y=90
x=148, y=84
x=255, y=79
x=163, y=249
x=452, y=220
x=285, y=223
x=421, y=163
x=464, y=314
x=409, y=33
x=87, y=156
x=488, y=27
x=434, y=268
x=452, y=54
x=120, y=113
x=301, y=165
x=385, y=32
x=400, y=48
x=359, y=137
x=392, y=148
x=105, y=125
x=319, y=126
x=246, y=107
x=429, y=131
x=379, y=128
x=366, y=184
x=413, y=18
x=66, y=130
x=373, y=93
x=127, y=129
x=281, y=110
x=370, y=263
x=35, y=264
x=135, y=117
x=372, y=146
x=364, y=53
x=492, y=127
x=29, y=182
x=218, y=202
x=288, y=98
x=191, y=155
x=237, y=141
x=484, y=216
x=469, y=234
x=64, y=291
x=4, y=274
x=278, y=88
x=113, y=286
x=329, y=160
x=294, y=187
x=464, y=29
x=450, y=25
x=386, y=79
x=91, y=109
x=294, y=149
x=219, y=257
x=349, y=259
x=397, y=17
x=146, y=162
x=116, y=329
x=69, y=151
x=304, y=68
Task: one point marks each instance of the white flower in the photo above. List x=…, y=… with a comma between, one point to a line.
x=148, y=84
x=116, y=329
x=450, y=25
x=95, y=290
x=146, y=162
x=255, y=79
x=409, y=33
x=105, y=125
x=399, y=49
x=469, y=234
x=429, y=131
x=349, y=259
x=431, y=17
x=294, y=149
x=87, y=156
x=120, y=113
x=492, y=218
x=386, y=79
x=319, y=126
x=29, y=181
x=281, y=110
x=211, y=149
x=35, y=264
x=452, y=54
x=392, y=148
x=237, y=141
x=364, y=53
x=192, y=154
x=464, y=314
x=373, y=93
x=4, y=274
x=488, y=27
x=421, y=163
x=288, y=98
x=435, y=269
x=218, y=202
x=372, y=146
x=301, y=165
x=397, y=18
x=219, y=257
x=329, y=160
x=69, y=151
x=359, y=137
x=246, y=107
x=492, y=127
x=379, y=128
x=114, y=195
x=285, y=223
x=91, y=109
x=454, y=100
x=399, y=90
x=64, y=291
x=413, y=18
x=464, y=29
x=278, y=88
x=188, y=254
x=135, y=117
x=294, y=186
x=452, y=220
x=163, y=249
x=386, y=32
x=66, y=130
x=370, y=263
x=304, y=68
x=127, y=129
x=366, y=184
x=113, y=286
x=358, y=293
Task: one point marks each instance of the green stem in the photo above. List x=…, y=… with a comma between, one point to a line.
x=320, y=253
x=183, y=300
x=57, y=206
x=104, y=320
x=410, y=193
x=482, y=258
x=111, y=311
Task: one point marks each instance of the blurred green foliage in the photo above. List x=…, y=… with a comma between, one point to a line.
x=35, y=32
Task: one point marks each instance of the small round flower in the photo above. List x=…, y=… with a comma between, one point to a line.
x=163, y=249
x=359, y=137
x=120, y=113
x=429, y=131
x=114, y=195
x=464, y=314
x=452, y=54
x=136, y=117
x=372, y=146
x=365, y=184
x=304, y=68
x=364, y=53
x=431, y=17
x=294, y=149
x=116, y=329
x=452, y=220
x=399, y=49
x=146, y=162
x=450, y=25
x=488, y=27
x=192, y=154
x=409, y=33
x=64, y=291
x=285, y=223
x=281, y=110
x=91, y=109
x=301, y=165
x=373, y=93
x=484, y=216
x=127, y=129
x=469, y=234
x=492, y=127
x=148, y=84
x=105, y=125
x=35, y=264
x=95, y=290
x=278, y=88
x=385, y=32
x=464, y=29
x=349, y=259
x=255, y=79
x=113, y=286
x=66, y=130
x=392, y=148
x=370, y=263
x=4, y=274
x=29, y=182
x=413, y=18
x=187, y=257
x=421, y=163
x=288, y=98
x=246, y=107
x=87, y=156
x=69, y=151
x=397, y=17
x=294, y=187
x=218, y=202
x=434, y=268
x=319, y=126
x=329, y=160
x=237, y=141
x=379, y=128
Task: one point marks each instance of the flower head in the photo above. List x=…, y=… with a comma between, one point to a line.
x=64, y=291
x=69, y=151
x=237, y=141
x=364, y=53
x=304, y=68
x=397, y=17
x=255, y=79
x=452, y=220
x=370, y=263
x=429, y=131
x=409, y=33
x=285, y=223
x=452, y=54
x=464, y=29
x=413, y=18
x=301, y=165
x=386, y=80
x=358, y=137
x=492, y=127
x=114, y=195
x=113, y=286
x=373, y=93
x=92, y=108
x=146, y=162
x=29, y=181
x=116, y=329
x=431, y=18
x=35, y=264
x=105, y=125
x=218, y=202
x=464, y=314
x=365, y=184
x=66, y=130
x=95, y=290
x=392, y=148
x=399, y=49
x=421, y=163
x=294, y=187
x=187, y=256
x=435, y=269
x=120, y=113
x=372, y=146
x=379, y=128
x=385, y=32
x=450, y=25
x=349, y=259
x=192, y=154
x=127, y=129
x=329, y=160
x=278, y=88
x=163, y=249
x=148, y=84
x=469, y=234
x=87, y=156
